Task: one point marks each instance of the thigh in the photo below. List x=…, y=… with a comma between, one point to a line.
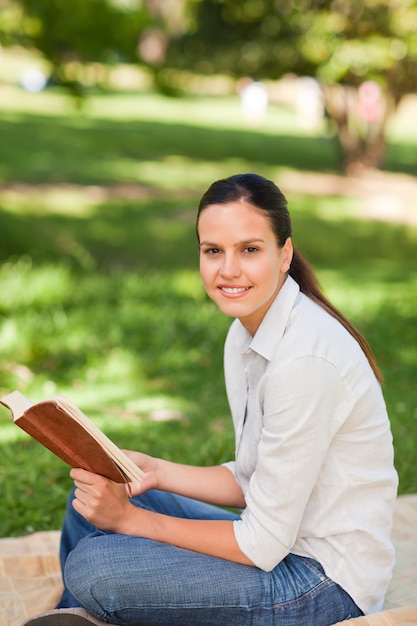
x=131, y=580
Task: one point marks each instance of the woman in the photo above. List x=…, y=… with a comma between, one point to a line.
x=313, y=473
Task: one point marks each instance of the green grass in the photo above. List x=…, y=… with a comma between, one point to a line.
x=100, y=293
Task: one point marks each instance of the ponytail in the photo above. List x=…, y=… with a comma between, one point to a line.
x=302, y=272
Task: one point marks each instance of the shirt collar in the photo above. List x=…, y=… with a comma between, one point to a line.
x=272, y=328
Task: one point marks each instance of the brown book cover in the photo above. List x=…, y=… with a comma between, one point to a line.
x=61, y=427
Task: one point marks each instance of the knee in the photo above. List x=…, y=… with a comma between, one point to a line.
x=89, y=568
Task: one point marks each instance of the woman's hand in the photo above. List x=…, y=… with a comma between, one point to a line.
x=102, y=502
x=149, y=465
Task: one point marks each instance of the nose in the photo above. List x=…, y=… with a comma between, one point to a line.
x=230, y=267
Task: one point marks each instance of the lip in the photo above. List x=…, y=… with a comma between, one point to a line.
x=233, y=291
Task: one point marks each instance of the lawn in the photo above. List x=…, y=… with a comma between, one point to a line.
x=100, y=293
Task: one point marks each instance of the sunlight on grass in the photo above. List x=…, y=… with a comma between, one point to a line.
x=17, y=101
x=188, y=284
x=23, y=285
x=54, y=199
x=214, y=111
x=157, y=405
x=10, y=432
x=372, y=294
x=178, y=173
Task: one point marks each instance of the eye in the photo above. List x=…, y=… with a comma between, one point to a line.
x=211, y=251
x=251, y=249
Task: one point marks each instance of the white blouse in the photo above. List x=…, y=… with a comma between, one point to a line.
x=314, y=454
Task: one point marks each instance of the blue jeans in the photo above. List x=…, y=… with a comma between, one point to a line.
x=127, y=580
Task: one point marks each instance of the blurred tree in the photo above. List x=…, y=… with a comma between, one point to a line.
x=363, y=52
x=79, y=38
x=365, y=55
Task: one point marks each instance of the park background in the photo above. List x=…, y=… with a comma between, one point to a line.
x=109, y=134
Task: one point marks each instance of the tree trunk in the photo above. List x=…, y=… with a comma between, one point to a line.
x=360, y=128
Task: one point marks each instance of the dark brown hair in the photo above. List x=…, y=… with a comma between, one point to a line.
x=267, y=197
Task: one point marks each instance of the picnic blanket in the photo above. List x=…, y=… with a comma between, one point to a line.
x=30, y=579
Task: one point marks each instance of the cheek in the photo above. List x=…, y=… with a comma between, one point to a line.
x=271, y=275
x=268, y=268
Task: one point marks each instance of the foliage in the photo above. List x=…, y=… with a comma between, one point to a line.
x=340, y=42
x=242, y=39
x=101, y=298
x=346, y=41
x=78, y=39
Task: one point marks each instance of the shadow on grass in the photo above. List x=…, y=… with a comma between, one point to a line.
x=144, y=235
x=345, y=243
x=401, y=158
x=36, y=149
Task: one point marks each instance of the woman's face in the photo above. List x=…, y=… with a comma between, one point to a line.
x=241, y=265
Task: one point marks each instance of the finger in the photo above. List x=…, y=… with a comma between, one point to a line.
x=81, y=508
x=80, y=496
x=82, y=475
x=82, y=486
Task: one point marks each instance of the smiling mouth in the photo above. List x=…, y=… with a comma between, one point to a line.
x=234, y=290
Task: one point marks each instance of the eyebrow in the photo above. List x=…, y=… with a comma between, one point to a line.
x=245, y=242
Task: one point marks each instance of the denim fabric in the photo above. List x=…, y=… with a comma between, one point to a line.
x=131, y=580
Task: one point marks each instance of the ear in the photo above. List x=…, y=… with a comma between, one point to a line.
x=287, y=252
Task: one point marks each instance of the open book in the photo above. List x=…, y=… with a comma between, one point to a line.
x=61, y=427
